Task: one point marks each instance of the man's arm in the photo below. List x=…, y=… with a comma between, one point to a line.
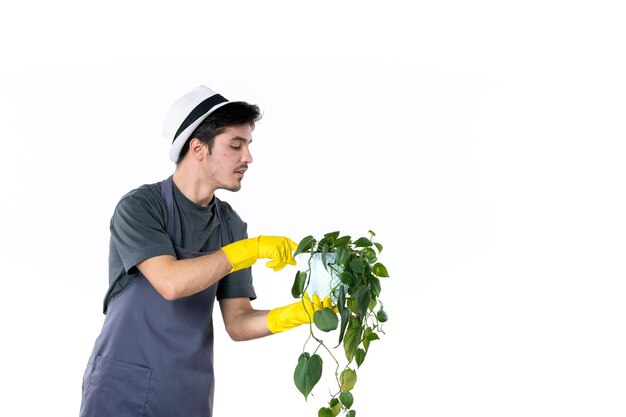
x=241, y=321
x=174, y=279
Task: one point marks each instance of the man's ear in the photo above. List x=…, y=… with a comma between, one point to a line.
x=197, y=148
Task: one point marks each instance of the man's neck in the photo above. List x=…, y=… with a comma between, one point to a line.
x=193, y=187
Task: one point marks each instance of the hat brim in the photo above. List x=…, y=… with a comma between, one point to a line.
x=182, y=138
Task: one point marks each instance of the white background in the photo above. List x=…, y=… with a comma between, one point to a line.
x=482, y=141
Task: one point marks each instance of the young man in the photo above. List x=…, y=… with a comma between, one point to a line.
x=174, y=249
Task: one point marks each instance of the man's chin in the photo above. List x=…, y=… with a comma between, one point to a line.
x=234, y=188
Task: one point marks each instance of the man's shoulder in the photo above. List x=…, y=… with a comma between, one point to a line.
x=147, y=196
x=145, y=191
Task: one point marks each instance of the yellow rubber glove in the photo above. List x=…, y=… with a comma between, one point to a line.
x=295, y=314
x=244, y=253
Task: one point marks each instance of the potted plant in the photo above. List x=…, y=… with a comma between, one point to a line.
x=348, y=271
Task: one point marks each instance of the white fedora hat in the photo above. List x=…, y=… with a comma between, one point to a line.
x=187, y=113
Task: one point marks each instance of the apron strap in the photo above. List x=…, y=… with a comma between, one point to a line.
x=220, y=217
x=167, y=192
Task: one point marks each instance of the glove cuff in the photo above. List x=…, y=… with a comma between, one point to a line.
x=287, y=317
x=243, y=253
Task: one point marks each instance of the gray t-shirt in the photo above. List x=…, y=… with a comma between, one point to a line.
x=139, y=232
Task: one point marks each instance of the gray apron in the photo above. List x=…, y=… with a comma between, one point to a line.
x=154, y=357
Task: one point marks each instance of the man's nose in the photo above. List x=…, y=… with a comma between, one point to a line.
x=247, y=156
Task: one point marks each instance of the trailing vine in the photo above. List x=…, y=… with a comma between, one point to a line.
x=356, y=318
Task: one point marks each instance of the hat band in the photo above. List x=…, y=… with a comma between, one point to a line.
x=199, y=111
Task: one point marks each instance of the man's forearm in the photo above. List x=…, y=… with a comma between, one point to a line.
x=175, y=279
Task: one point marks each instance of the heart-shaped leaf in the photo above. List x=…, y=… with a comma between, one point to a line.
x=325, y=319
x=346, y=399
x=347, y=379
x=308, y=373
x=298, y=284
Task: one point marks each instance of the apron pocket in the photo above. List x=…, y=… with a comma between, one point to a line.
x=116, y=388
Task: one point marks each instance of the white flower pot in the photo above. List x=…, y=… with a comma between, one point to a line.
x=322, y=281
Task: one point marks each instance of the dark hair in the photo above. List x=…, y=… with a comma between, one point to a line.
x=231, y=114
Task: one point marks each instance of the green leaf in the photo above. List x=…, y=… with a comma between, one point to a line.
x=298, y=284
x=369, y=255
x=366, y=332
x=359, y=356
x=357, y=265
x=352, y=305
x=324, y=253
x=331, y=237
x=341, y=298
x=369, y=336
x=363, y=297
x=347, y=379
x=374, y=285
x=382, y=316
x=352, y=339
x=362, y=242
x=346, y=399
x=335, y=406
x=305, y=245
x=345, y=319
x=307, y=373
x=341, y=255
x=325, y=319
x=373, y=336
x=379, y=270
x=343, y=241
x=328, y=240
x=325, y=412
x=379, y=247
x=345, y=278
x=351, y=413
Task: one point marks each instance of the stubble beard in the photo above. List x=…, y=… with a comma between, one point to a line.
x=234, y=188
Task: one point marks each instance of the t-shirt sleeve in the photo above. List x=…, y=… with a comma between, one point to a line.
x=238, y=283
x=138, y=231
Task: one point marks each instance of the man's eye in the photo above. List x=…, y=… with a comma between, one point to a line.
x=235, y=147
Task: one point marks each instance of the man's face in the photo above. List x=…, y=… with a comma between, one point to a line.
x=229, y=158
